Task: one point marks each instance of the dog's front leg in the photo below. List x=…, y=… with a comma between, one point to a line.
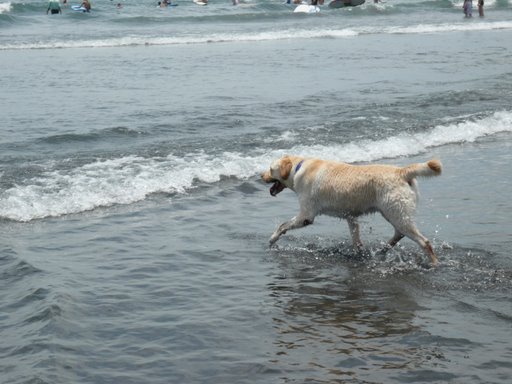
x=353, y=226
x=296, y=222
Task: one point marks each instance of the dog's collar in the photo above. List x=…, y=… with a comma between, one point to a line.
x=298, y=166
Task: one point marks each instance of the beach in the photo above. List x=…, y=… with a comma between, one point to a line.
x=135, y=227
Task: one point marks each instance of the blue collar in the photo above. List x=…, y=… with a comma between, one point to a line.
x=298, y=166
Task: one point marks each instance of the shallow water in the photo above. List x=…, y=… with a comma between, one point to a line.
x=134, y=227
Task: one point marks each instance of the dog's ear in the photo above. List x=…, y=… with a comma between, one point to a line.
x=285, y=167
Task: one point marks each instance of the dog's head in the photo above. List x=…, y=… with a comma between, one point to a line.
x=279, y=174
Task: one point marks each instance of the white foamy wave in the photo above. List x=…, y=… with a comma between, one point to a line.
x=119, y=181
x=5, y=7
x=438, y=28
x=263, y=36
x=412, y=144
x=179, y=40
x=130, y=179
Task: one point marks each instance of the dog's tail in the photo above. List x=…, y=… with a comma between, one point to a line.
x=428, y=169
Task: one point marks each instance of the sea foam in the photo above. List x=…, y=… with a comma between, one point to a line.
x=129, y=179
x=5, y=7
x=285, y=34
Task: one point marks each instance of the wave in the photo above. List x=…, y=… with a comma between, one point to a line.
x=290, y=34
x=130, y=179
x=180, y=40
x=5, y=7
x=413, y=144
x=17, y=271
x=34, y=7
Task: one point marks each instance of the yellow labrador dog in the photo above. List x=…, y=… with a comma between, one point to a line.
x=348, y=191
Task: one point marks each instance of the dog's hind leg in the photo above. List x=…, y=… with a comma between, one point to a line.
x=425, y=244
x=392, y=242
x=296, y=222
x=409, y=229
x=401, y=219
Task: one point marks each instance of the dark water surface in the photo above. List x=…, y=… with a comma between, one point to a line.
x=134, y=227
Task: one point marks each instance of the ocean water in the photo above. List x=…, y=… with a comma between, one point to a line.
x=134, y=227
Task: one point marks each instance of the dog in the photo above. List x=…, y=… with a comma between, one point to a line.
x=349, y=191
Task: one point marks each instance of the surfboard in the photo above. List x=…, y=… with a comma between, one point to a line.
x=305, y=8
x=78, y=8
x=345, y=3
x=201, y=2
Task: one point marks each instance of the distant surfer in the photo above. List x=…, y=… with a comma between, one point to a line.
x=468, y=8
x=346, y=3
x=54, y=7
x=86, y=5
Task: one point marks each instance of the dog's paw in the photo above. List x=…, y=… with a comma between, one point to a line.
x=273, y=239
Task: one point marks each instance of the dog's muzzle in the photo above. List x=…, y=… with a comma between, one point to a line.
x=276, y=188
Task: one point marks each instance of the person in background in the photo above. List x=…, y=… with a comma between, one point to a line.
x=468, y=8
x=54, y=7
x=481, y=8
x=86, y=5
